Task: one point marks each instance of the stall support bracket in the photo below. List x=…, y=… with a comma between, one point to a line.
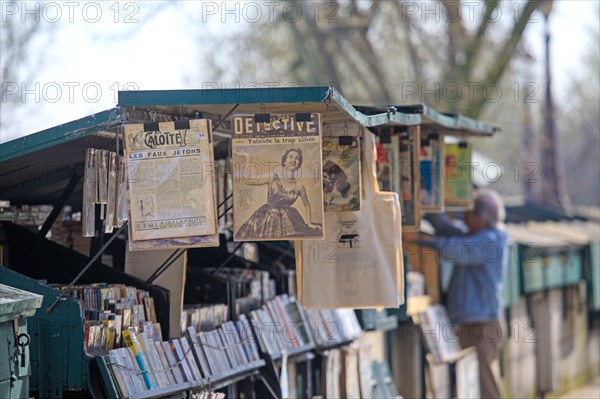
x=58, y=206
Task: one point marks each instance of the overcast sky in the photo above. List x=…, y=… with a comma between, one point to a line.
x=98, y=48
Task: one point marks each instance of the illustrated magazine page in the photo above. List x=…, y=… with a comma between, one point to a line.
x=171, y=183
x=341, y=174
x=277, y=169
x=457, y=175
x=430, y=168
x=409, y=173
x=388, y=162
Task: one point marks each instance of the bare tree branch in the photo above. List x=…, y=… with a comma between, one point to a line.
x=474, y=45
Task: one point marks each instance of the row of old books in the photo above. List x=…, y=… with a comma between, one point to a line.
x=224, y=350
x=25, y=215
x=145, y=364
x=331, y=327
x=440, y=335
x=204, y=356
x=281, y=324
x=194, y=361
x=110, y=309
x=203, y=317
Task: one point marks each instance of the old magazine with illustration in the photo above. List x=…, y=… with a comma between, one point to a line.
x=277, y=169
x=457, y=175
x=341, y=174
x=410, y=196
x=430, y=168
x=171, y=182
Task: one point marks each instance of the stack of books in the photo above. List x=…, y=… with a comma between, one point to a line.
x=111, y=309
x=331, y=327
x=281, y=324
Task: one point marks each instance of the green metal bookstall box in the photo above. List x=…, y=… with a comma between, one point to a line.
x=548, y=258
x=15, y=306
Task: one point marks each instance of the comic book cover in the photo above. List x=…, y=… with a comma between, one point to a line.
x=277, y=170
x=457, y=175
x=341, y=174
x=171, y=182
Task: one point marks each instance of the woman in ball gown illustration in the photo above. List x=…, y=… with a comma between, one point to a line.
x=278, y=218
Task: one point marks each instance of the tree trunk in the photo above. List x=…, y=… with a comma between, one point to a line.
x=528, y=157
x=553, y=190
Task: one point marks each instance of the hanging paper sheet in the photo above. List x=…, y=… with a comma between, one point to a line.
x=341, y=174
x=431, y=154
x=410, y=196
x=171, y=180
x=277, y=185
x=457, y=175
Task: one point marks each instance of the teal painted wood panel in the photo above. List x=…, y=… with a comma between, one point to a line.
x=61, y=134
x=19, y=389
x=223, y=96
x=553, y=271
x=512, y=278
x=11, y=363
x=6, y=350
x=533, y=272
x=58, y=359
x=573, y=267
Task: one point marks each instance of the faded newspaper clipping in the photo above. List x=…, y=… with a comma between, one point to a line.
x=171, y=182
x=278, y=191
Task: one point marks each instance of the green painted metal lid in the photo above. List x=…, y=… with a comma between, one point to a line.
x=16, y=303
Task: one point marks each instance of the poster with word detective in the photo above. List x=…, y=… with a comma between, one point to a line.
x=277, y=170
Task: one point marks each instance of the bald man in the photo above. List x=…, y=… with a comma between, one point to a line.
x=474, y=297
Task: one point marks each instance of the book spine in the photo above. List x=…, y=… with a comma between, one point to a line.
x=189, y=358
x=131, y=342
x=132, y=369
x=246, y=335
x=164, y=362
x=175, y=368
x=181, y=359
x=199, y=352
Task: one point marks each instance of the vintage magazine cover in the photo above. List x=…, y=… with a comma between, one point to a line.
x=277, y=186
x=171, y=182
x=431, y=183
x=409, y=171
x=341, y=174
x=457, y=175
x=388, y=162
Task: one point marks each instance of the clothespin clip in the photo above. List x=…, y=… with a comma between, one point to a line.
x=303, y=117
x=262, y=118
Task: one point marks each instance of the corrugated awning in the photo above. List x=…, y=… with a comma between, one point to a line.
x=34, y=169
x=552, y=234
x=335, y=109
x=434, y=121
